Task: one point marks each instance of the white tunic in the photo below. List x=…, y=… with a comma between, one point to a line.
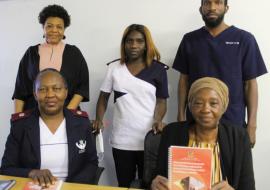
x=135, y=100
x=54, y=150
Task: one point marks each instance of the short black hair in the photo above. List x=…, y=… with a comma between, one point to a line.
x=225, y=2
x=54, y=11
x=49, y=70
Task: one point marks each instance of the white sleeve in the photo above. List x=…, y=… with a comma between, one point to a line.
x=107, y=85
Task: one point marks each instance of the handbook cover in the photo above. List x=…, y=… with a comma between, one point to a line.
x=189, y=168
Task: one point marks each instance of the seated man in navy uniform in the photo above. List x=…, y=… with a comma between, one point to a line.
x=50, y=142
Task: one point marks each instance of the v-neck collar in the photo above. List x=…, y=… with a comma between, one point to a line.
x=220, y=35
x=44, y=125
x=138, y=74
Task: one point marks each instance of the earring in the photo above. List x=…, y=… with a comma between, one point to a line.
x=64, y=37
x=43, y=36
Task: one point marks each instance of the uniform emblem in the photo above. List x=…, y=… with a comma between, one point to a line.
x=79, y=113
x=232, y=43
x=21, y=114
x=81, y=146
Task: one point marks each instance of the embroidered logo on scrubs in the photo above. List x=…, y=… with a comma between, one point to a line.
x=232, y=43
x=81, y=145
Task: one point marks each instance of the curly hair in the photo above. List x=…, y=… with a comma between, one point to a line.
x=151, y=50
x=54, y=11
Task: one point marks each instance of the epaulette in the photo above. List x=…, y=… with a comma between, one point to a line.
x=21, y=115
x=112, y=61
x=80, y=113
x=163, y=64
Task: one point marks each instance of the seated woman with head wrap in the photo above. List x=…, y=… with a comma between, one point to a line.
x=232, y=166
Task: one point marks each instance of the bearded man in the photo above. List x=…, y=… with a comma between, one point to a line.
x=227, y=53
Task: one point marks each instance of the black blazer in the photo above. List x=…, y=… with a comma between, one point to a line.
x=236, y=158
x=22, y=152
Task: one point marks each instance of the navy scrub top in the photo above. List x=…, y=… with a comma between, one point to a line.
x=233, y=56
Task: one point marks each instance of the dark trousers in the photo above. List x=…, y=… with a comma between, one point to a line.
x=127, y=163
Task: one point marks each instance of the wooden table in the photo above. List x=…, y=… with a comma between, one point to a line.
x=20, y=183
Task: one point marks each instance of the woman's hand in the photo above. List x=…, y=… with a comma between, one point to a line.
x=158, y=126
x=44, y=178
x=100, y=111
x=160, y=110
x=97, y=125
x=160, y=183
x=224, y=185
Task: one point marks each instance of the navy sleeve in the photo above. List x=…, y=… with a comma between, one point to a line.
x=162, y=85
x=253, y=64
x=181, y=61
x=11, y=158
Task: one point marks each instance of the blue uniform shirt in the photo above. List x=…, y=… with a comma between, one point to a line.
x=233, y=56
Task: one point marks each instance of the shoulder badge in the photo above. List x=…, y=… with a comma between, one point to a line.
x=112, y=61
x=79, y=113
x=20, y=115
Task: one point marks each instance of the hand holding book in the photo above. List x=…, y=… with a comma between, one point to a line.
x=224, y=185
x=189, y=168
x=160, y=183
x=43, y=178
x=32, y=186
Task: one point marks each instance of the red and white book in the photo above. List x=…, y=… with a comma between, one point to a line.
x=189, y=168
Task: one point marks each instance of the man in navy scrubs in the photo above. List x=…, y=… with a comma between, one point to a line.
x=225, y=52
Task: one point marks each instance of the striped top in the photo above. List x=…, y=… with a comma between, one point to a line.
x=216, y=167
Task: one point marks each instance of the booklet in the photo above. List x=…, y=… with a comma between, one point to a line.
x=189, y=168
x=31, y=186
x=6, y=184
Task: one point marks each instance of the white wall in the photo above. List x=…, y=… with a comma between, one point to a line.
x=97, y=27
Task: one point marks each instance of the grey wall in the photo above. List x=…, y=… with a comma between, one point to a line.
x=97, y=27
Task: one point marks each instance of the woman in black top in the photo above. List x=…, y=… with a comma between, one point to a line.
x=232, y=166
x=53, y=53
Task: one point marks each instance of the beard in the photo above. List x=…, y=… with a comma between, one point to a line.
x=212, y=23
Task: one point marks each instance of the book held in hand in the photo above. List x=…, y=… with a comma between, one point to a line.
x=189, y=168
x=6, y=184
x=31, y=186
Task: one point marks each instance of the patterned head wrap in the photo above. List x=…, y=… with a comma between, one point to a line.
x=215, y=84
